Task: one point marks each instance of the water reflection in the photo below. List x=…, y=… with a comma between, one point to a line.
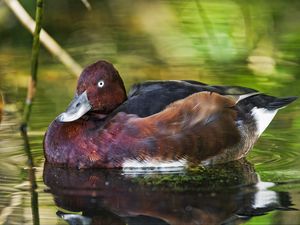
x=1, y=106
x=31, y=177
x=229, y=194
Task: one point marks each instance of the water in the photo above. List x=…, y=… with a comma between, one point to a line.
x=252, y=44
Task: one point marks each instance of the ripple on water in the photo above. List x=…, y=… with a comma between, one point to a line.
x=12, y=160
x=277, y=159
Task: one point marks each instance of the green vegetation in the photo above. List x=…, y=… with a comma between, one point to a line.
x=215, y=178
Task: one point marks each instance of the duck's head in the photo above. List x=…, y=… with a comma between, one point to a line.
x=100, y=89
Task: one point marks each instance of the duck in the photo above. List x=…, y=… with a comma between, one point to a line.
x=159, y=125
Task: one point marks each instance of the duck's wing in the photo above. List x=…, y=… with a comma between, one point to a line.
x=151, y=97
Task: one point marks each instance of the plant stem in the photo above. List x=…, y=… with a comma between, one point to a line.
x=34, y=63
x=27, y=109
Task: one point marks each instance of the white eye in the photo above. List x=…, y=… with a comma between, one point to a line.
x=100, y=84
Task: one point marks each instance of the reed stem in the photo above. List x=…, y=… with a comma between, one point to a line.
x=34, y=64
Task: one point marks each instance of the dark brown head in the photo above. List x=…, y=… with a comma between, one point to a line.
x=100, y=89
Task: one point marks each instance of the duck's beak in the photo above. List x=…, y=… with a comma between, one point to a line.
x=79, y=106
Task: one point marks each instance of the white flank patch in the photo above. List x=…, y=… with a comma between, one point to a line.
x=76, y=219
x=264, y=197
x=263, y=118
x=153, y=165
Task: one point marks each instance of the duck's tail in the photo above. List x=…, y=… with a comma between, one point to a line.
x=279, y=103
x=258, y=100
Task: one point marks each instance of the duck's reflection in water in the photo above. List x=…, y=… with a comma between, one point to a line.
x=225, y=194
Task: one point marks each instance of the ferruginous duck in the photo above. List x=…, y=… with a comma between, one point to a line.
x=160, y=124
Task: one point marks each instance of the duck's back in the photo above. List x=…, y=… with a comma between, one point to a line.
x=151, y=97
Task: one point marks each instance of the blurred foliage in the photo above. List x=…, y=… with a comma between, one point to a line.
x=198, y=32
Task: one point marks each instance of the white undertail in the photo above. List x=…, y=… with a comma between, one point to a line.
x=263, y=118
